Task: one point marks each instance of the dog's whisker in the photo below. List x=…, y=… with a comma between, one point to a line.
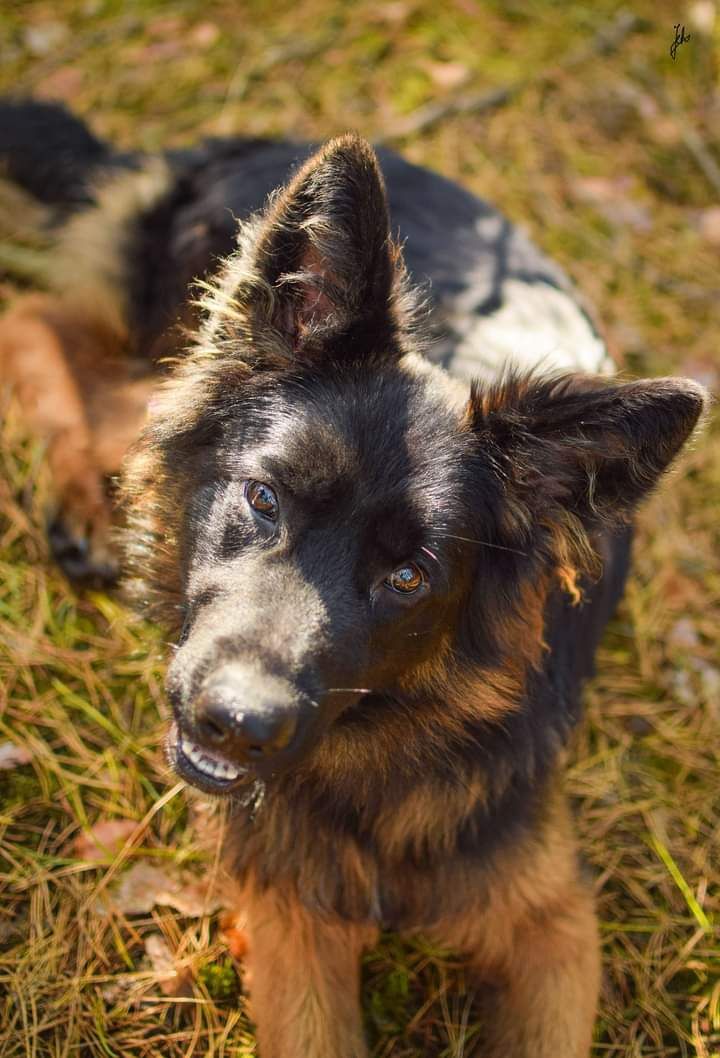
x=350, y=690
x=482, y=543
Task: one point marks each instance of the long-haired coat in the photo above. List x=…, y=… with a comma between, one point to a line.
x=386, y=584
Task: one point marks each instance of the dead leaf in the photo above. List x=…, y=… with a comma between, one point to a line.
x=709, y=225
x=13, y=756
x=204, y=34
x=469, y=7
x=395, y=12
x=165, y=26
x=683, y=634
x=612, y=199
x=103, y=839
x=233, y=934
x=702, y=16
x=173, y=980
x=158, y=50
x=64, y=83
x=144, y=886
x=447, y=74
x=193, y=899
x=44, y=38
x=137, y=891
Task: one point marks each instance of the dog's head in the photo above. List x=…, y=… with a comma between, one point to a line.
x=338, y=535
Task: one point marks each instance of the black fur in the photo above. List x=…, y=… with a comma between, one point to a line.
x=51, y=153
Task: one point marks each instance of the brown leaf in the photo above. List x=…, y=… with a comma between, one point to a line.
x=232, y=933
x=709, y=225
x=447, y=74
x=103, y=839
x=193, y=899
x=702, y=15
x=145, y=885
x=158, y=51
x=683, y=634
x=64, y=83
x=137, y=891
x=612, y=199
x=163, y=26
x=173, y=980
x=12, y=756
x=44, y=37
x=394, y=12
x=204, y=34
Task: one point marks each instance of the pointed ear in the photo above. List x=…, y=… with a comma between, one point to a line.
x=591, y=447
x=318, y=273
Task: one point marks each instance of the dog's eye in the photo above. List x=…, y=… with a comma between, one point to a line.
x=262, y=499
x=406, y=579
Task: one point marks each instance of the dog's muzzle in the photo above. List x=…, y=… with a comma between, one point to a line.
x=241, y=723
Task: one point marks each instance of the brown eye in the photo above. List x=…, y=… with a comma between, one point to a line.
x=406, y=579
x=262, y=499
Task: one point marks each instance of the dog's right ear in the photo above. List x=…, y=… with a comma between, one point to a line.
x=318, y=275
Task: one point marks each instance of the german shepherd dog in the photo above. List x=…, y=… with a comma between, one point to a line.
x=386, y=530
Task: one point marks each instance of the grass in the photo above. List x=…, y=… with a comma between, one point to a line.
x=80, y=681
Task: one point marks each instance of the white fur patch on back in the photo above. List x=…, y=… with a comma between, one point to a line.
x=536, y=326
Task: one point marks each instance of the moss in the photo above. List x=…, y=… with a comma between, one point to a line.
x=220, y=980
x=17, y=787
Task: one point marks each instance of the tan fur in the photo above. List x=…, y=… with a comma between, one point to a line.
x=68, y=371
x=88, y=266
x=534, y=938
x=529, y=935
x=308, y=1005
x=33, y=365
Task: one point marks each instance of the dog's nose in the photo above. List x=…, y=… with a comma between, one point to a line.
x=228, y=717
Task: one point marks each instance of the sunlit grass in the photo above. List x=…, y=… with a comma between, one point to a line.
x=80, y=680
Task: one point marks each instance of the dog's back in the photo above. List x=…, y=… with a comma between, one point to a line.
x=495, y=299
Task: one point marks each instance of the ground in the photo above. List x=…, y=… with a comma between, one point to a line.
x=608, y=150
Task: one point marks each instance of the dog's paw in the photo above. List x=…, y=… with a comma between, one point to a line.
x=85, y=562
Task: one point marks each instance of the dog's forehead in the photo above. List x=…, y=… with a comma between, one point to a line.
x=380, y=435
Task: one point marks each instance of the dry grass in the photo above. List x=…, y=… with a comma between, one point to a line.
x=80, y=683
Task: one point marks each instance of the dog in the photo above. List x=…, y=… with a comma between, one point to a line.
x=383, y=503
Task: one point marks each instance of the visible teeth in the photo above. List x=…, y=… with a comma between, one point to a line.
x=214, y=769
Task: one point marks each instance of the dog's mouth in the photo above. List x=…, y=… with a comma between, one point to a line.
x=216, y=773
x=205, y=769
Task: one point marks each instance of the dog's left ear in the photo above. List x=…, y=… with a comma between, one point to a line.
x=583, y=444
x=318, y=274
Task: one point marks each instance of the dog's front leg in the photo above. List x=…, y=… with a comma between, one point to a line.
x=303, y=976
x=539, y=977
x=530, y=933
x=548, y=987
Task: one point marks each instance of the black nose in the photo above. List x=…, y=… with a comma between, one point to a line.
x=229, y=717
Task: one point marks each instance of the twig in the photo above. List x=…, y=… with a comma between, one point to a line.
x=702, y=155
x=432, y=113
x=604, y=42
